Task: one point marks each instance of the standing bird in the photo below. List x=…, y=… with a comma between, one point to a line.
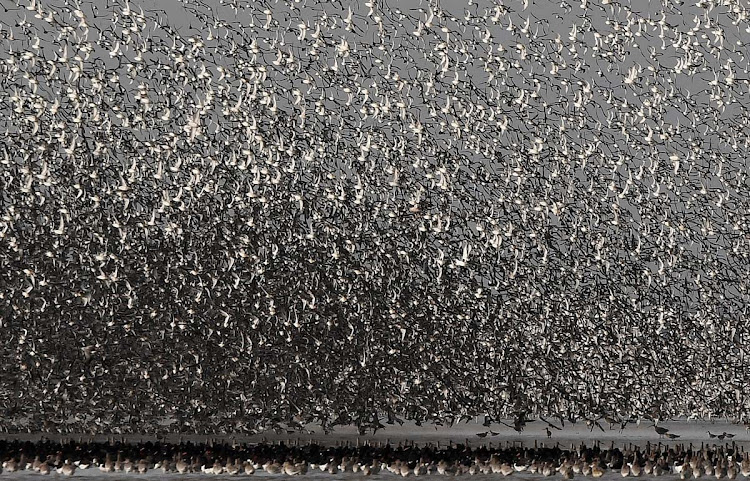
x=67, y=469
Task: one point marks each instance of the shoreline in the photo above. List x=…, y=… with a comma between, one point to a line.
x=595, y=460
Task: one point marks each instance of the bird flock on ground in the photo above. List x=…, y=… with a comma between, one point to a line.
x=402, y=460
x=240, y=216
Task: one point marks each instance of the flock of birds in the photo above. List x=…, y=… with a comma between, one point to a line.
x=240, y=216
x=402, y=460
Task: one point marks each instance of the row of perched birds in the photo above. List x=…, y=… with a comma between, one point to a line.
x=253, y=216
x=370, y=460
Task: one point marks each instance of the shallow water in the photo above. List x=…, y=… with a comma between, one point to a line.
x=690, y=432
x=695, y=432
x=95, y=474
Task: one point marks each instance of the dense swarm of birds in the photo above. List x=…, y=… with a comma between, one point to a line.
x=275, y=213
x=720, y=461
